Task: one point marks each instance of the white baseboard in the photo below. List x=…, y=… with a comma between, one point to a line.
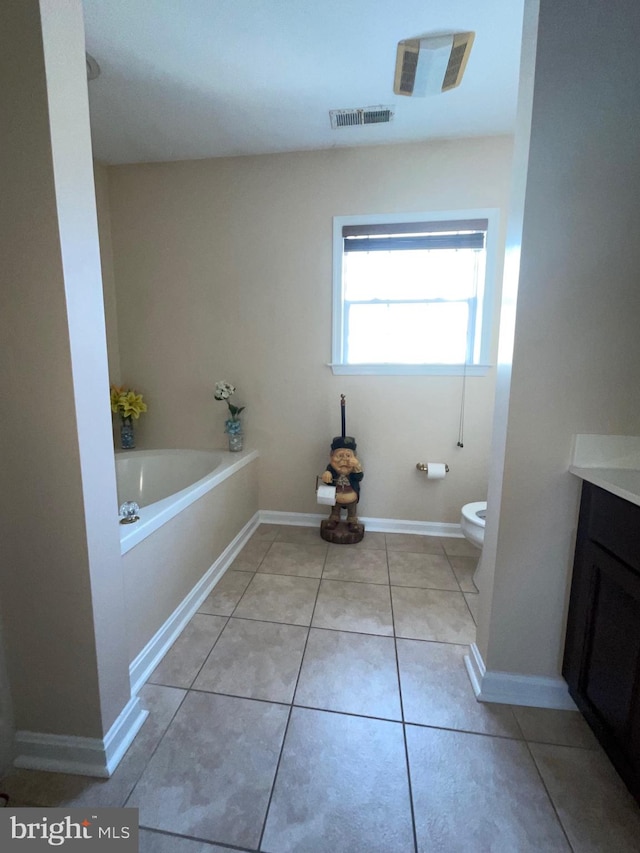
x=475, y=668
x=375, y=525
x=121, y=734
x=80, y=755
x=509, y=688
x=151, y=655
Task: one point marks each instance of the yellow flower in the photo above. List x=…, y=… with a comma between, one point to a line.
x=132, y=405
x=127, y=402
x=116, y=393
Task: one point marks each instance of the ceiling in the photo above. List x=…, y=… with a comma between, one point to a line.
x=189, y=79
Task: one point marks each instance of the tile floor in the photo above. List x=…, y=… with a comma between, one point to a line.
x=318, y=702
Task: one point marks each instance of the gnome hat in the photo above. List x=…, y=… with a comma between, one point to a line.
x=347, y=442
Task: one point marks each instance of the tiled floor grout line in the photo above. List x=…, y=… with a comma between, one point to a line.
x=286, y=728
x=275, y=775
x=358, y=581
x=454, y=573
x=404, y=729
x=365, y=716
x=222, y=844
x=548, y=793
x=208, y=655
x=322, y=628
x=534, y=741
x=515, y=717
x=240, y=696
x=237, y=604
x=370, y=582
x=470, y=611
x=155, y=749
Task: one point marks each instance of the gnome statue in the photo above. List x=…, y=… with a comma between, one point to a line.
x=344, y=473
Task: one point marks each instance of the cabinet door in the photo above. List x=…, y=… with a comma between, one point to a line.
x=611, y=661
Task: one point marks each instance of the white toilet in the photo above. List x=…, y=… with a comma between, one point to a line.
x=472, y=522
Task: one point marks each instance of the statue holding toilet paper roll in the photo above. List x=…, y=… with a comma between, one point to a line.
x=344, y=471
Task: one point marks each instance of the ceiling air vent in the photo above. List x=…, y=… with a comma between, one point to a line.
x=366, y=115
x=428, y=66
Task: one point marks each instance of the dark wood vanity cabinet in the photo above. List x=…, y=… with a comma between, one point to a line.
x=602, y=648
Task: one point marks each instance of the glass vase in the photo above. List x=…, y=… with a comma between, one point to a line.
x=127, y=435
x=233, y=428
x=236, y=440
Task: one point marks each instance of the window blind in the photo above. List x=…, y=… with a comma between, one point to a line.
x=456, y=234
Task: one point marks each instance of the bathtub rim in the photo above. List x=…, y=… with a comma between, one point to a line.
x=155, y=515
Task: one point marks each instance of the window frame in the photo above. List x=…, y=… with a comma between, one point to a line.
x=485, y=294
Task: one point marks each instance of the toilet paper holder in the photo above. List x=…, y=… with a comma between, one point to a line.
x=424, y=466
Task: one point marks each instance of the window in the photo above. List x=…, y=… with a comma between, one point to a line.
x=412, y=293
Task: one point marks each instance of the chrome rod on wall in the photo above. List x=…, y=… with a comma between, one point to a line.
x=424, y=466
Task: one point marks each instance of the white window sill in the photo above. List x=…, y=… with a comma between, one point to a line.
x=409, y=369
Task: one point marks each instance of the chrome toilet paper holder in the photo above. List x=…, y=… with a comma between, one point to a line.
x=424, y=466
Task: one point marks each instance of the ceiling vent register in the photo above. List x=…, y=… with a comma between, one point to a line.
x=429, y=66
x=358, y=117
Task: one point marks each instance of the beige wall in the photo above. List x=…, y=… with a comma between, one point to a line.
x=62, y=595
x=223, y=271
x=576, y=354
x=101, y=179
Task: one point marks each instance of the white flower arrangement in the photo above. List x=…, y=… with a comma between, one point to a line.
x=223, y=391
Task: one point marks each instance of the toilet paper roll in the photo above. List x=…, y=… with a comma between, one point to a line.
x=436, y=470
x=326, y=495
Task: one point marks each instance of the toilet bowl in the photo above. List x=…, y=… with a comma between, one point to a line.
x=472, y=522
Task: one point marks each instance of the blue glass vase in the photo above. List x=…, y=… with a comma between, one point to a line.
x=127, y=435
x=233, y=428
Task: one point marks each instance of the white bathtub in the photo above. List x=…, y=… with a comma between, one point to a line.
x=198, y=509
x=165, y=482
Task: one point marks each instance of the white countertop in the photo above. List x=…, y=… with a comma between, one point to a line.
x=623, y=482
x=611, y=462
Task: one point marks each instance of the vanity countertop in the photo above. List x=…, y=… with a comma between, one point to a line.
x=611, y=462
x=623, y=482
